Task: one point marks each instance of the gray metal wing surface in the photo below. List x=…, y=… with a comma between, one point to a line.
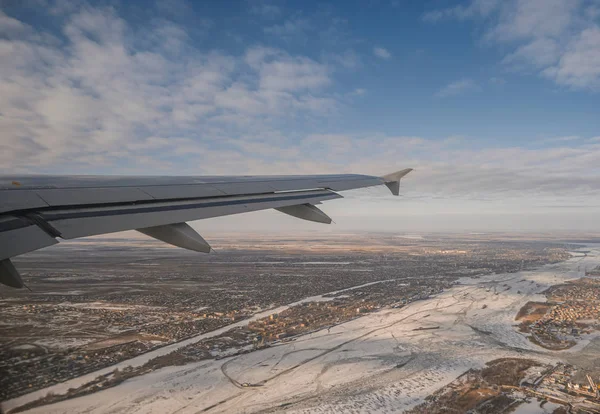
x=35, y=211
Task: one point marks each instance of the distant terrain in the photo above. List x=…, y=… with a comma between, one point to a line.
x=102, y=312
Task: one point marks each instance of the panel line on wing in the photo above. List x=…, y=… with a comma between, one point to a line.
x=152, y=209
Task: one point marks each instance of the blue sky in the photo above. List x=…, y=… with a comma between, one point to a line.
x=494, y=102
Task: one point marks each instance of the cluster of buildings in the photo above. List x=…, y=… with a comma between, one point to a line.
x=312, y=316
x=30, y=366
x=576, y=312
x=34, y=373
x=585, y=289
x=304, y=318
x=568, y=385
x=505, y=384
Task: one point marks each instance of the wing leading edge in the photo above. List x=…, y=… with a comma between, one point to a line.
x=36, y=210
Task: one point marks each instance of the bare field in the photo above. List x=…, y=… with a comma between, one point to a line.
x=532, y=311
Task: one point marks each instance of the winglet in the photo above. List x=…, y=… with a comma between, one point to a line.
x=392, y=181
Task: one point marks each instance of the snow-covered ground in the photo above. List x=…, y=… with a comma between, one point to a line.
x=377, y=363
x=535, y=407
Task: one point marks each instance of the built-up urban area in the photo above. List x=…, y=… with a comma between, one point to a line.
x=92, y=309
x=505, y=384
x=572, y=310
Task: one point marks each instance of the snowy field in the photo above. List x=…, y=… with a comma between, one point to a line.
x=377, y=363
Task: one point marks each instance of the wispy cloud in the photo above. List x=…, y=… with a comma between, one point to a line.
x=569, y=138
x=265, y=9
x=476, y=8
x=292, y=29
x=457, y=87
x=10, y=26
x=559, y=39
x=381, y=53
x=348, y=59
x=579, y=65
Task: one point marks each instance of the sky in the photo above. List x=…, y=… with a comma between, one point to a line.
x=494, y=103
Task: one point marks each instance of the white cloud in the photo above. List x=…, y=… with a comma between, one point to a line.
x=107, y=94
x=569, y=138
x=579, y=65
x=540, y=53
x=557, y=38
x=10, y=26
x=565, y=173
x=265, y=9
x=457, y=87
x=348, y=59
x=382, y=53
x=280, y=72
x=292, y=29
x=476, y=8
x=532, y=19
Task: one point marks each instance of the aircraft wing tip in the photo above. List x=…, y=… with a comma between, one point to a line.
x=392, y=180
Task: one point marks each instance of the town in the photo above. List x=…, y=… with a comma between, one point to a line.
x=572, y=310
x=87, y=315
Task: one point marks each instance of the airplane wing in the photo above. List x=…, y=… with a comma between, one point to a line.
x=37, y=210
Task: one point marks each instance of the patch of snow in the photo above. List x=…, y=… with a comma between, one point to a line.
x=536, y=407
